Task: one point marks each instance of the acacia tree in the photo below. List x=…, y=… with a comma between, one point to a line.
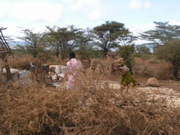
x=63, y=39
x=142, y=49
x=162, y=33
x=84, y=44
x=106, y=35
x=126, y=48
x=167, y=39
x=126, y=39
x=34, y=42
x=127, y=53
x=171, y=53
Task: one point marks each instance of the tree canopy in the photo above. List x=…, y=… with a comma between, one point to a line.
x=162, y=33
x=166, y=37
x=106, y=35
x=171, y=53
x=63, y=39
x=35, y=42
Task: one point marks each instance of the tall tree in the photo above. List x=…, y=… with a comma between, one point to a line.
x=62, y=39
x=126, y=39
x=34, y=40
x=106, y=35
x=171, y=53
x=167, y=39
x=84, y=44
x=162, y=33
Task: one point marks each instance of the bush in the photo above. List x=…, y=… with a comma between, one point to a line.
x=92, y=108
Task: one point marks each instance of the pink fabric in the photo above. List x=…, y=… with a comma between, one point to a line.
x=72, y=66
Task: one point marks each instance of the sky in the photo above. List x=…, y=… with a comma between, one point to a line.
x=136, y=15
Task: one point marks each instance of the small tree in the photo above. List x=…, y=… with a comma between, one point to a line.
x=171, y=53
x=127, y=53
x=141, y=49
x=34, y=42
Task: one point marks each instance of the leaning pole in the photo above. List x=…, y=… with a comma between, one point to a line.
x=5, y=51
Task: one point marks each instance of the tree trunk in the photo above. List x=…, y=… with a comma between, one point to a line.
x=9, y=76
x=129, y=65
x=176, y=65
x=8, y=71
x=57, y=52
x=105, y=52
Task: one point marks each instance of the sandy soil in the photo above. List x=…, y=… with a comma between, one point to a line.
x=169, y=89
x=175, y=85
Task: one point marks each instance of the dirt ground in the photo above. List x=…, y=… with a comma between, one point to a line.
x=162, y=71
x=144, y=69
x=175, y=85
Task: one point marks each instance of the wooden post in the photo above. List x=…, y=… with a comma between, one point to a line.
x=5, y=50
x=8, y=71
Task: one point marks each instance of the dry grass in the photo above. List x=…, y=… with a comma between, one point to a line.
x=152, y=67
x=90, y=109
x=18, y=62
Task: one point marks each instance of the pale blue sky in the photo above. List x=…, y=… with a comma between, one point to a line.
x=137, y=15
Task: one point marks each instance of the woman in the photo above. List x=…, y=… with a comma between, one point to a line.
x=73, y=65
x=126, y=76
